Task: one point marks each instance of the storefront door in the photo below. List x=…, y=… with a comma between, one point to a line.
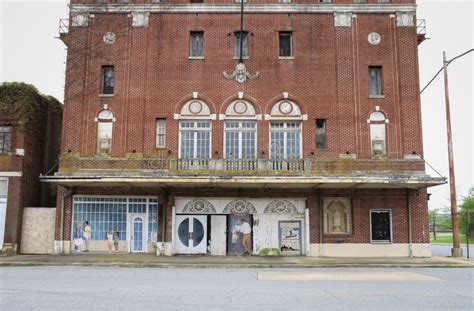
x=3, y=208
x=138, y=233
x=191, y=234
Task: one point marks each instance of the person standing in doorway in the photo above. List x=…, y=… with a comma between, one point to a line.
x=110, y=240
x=246, y=231
x=87, y=235
x=116, y=240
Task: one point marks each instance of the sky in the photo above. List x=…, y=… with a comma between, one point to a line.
x=31, y=52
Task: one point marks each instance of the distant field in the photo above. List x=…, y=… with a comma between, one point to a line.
x=447, y=238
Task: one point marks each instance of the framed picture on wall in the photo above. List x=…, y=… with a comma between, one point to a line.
x=290, y=237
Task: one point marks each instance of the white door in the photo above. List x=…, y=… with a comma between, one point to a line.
x=3, y=208
x=191, y=234
x=218, y=235
x=138, y=233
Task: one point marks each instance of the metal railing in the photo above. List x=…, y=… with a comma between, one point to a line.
x=63, y=25
x=240, y=164
x=421, y=26
x=193, y=164
x=295, y=165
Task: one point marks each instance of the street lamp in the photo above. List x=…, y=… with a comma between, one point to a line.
x=456, y=250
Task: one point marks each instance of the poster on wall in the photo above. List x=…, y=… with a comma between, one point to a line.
x=239, y=234
x=290, y=237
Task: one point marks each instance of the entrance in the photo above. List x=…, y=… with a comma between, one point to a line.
x=239, y=234
x=191, y=232
x=138, y=233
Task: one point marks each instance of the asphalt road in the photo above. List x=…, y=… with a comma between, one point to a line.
x=445, y=250
x=87, y=288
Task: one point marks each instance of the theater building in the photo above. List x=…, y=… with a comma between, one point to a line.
x=297, y=134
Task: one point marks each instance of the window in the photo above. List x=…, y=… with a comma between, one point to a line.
x=240, y=139
x=196, y=41
x=360, y=1
x=195, y=139
x=285, y=44
x=245, y=46
x=197, y=1
x=324, y=1
x=380, y=226
x=377, y=134
x=285, y=140
x=375, y=81
x=160, y=133
x=5, y=139
x=3, y=189
x=104, y=132
x=240, y=1
x=152, y=220
x=320, y=134
x=384, y=1
x=108, y=79
x=285, y=1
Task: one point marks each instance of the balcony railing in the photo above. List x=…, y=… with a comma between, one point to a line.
x=63, y=26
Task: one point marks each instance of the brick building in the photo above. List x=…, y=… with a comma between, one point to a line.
x=30, y=127
x=300, y=132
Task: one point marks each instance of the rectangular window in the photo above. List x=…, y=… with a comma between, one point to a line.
x=360, y=1
x=240, y=140
x=108, y=79
x=384, y=1
x=160, y=133
x=196, y=44
x=104, y=137
x=245, y=44
x=3, y=189
x=285, y=140
x=5, y=139
x=152, y=220
x=375, y=81
x=285, y=44
x=324, y=1
x=380, y=226
x=240, y=1
x=320, y=134
x=195, y=139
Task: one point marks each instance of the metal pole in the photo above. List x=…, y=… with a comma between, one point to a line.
x=241, y=60
x=456, y=251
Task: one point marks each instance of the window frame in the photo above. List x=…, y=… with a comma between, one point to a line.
x=372, y=123
x=6, y=148
x=325, y=147
x=103, y=90
x=157, y=122
x=285, y=130
x=236, y=51
x=241, y=130
x=287, y=33
x=380, y=81
x=378, y=210
x=191, y=33
x=195, y=129
x=109, y=121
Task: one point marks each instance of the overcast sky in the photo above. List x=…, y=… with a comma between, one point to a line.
x=30, y=52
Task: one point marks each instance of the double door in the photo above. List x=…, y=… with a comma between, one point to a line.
x=191, y=234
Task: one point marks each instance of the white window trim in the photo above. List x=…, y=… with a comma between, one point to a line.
x=4, y=200
x=239, y=130
x=389, y=210
x=164, y=133
x=195, y=140
x=284, y=140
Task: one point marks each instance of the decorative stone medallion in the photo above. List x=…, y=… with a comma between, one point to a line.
x=405, y=19
x=195, y=107
x=109, y=37
x=281, y=207
x=285, y=107
x=374, y=38
x=240, y=206
x=240, y=74
x=199, y=206
x=80, y=20
x=240, y=107
x=343, y=19
x=140, y=19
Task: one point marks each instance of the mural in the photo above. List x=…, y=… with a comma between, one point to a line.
x=239, y=234
x=290, y=237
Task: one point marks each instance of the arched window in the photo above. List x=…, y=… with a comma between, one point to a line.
x=285, y=131
x=240, y=131
x=378, y=139
x=195, y=130
x=105, y=121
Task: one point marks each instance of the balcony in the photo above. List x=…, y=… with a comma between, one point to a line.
x=421, y=30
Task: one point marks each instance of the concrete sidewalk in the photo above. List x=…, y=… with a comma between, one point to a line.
x=149, y=260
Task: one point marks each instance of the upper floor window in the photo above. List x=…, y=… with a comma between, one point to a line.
x=383, y=1
x=104, y=131
x=160, y=133
x=196, y=44
x=195, y=139
x=285, y=140
x=197, y=1
x=377, y=123
x=3, y=189
x=108, y=79
x=324, y=1
x=285, y=40
x=240, y=139
x=240, y=1
x=245, y=44
x=320, y=134
x=5, y=139
x=360, y=1
x=375, y=81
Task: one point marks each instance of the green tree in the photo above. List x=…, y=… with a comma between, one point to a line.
x=467, y=205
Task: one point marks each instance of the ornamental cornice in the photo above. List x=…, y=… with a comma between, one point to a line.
x=235, y=8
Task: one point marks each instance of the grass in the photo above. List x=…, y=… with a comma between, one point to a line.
x=448, y=238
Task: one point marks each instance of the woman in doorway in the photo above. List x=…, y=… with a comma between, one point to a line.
x=87, y=235
x=116, y=240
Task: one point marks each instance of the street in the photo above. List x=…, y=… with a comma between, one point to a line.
x=90, y=288
x=445, y=250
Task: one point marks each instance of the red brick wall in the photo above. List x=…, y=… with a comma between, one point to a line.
x=12, y=219
x=328, y=78
x=233, y=1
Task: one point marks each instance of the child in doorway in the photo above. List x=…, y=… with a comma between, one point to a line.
x=116, y=240
x=110, y=236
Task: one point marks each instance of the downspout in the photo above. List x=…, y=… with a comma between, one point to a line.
x=410, y=245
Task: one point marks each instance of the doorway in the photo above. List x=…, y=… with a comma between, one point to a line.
x=191, y=233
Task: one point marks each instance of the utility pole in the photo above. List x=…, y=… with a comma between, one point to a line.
x=456, y=251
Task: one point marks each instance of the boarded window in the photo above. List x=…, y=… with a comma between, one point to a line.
x=380, y=226
x=375, y=81
x=196, y=44
x=160, y=133
x=285, y=44
x=5, y=139
x=245, y=46
x=108, y=79
x=320, y=134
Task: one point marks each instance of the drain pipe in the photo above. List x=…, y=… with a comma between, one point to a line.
x=410, y=245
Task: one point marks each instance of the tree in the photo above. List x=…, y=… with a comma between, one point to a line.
x=467, y=206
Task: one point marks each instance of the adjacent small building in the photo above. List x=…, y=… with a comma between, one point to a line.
x=298, y=133
x=30, y=127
